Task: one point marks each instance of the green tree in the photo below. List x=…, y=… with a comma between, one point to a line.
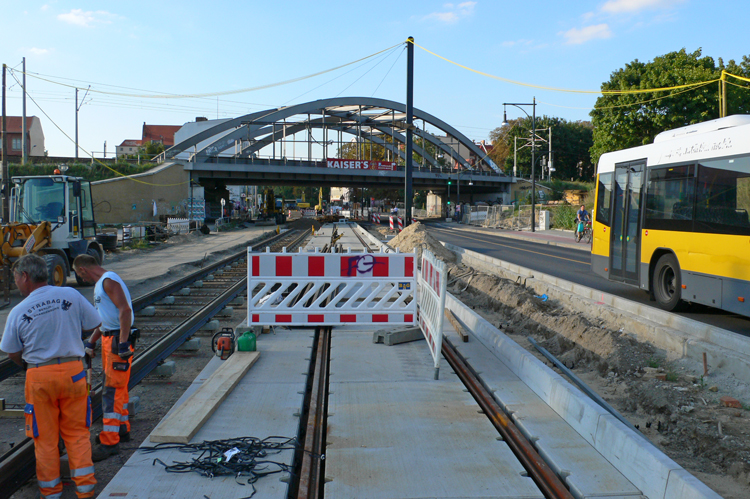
x=571, y=142
x=628, y=120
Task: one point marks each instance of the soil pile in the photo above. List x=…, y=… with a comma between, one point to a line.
x=416, y=236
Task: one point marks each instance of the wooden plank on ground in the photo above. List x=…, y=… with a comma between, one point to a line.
x=457, y=326
x=186, y=420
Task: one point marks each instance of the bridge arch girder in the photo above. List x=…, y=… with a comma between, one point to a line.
x=318, y=123
x=237, y=128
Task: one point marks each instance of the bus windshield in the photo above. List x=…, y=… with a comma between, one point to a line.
x=39, y=199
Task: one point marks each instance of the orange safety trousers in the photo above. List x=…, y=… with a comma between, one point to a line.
x=115, y=392
x=58, y=405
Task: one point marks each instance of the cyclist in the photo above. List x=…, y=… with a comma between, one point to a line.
x=581, y=218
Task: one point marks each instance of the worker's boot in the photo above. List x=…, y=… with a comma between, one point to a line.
x=102, y=452
x=123, y=432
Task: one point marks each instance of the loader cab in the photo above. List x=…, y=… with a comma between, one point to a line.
x=61, y=200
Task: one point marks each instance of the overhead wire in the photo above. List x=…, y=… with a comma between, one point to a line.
x=220, y=93
x=129, y=177
x=332, y=79
x=364, y=74
x=568, y=90
x=389, y=70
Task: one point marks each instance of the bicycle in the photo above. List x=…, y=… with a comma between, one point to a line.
x=586, y=234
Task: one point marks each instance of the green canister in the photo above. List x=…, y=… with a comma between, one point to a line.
x=246, y=342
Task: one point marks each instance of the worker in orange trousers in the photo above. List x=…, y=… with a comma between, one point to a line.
x=43, y=333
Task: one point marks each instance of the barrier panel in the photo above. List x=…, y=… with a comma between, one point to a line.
x=178, y=225
x=400, y=224
x=432, y=284
x=391, y=218
x=321, y=289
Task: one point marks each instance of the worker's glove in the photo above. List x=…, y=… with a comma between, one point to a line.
x=124, y=350
x=89, y=349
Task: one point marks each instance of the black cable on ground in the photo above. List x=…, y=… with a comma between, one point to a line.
x=238, y=457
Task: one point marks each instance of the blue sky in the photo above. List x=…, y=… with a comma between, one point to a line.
x=193, y=47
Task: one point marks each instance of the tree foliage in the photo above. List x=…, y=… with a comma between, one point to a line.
x=571, y=141
x=628, y=120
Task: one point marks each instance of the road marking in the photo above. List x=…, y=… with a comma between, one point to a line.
x=516, y=248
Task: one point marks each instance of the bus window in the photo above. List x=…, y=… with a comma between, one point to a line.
x=670, y=198
x=723, y=200
x=604, y=198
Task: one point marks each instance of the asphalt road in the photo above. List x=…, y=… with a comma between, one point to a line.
x=573, y=265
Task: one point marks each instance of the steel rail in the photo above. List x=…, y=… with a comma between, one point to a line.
x=548, y=482
x=8, y=368
x=311, y=479
x=17, y=465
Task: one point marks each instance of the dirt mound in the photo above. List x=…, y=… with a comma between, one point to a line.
x=416, y=236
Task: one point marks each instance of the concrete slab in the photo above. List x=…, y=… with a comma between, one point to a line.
x=395, y=432
x=264, y=403
x=585, y=470
x=647, y=468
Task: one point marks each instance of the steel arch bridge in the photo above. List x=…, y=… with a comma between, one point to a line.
x=378, y=121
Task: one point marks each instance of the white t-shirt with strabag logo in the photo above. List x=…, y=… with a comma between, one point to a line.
x=48, y=324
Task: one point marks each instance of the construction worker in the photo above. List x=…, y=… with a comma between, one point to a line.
x=43, y=333
x=112, y=300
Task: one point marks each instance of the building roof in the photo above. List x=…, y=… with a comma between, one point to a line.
x=160, y=133
x=484, y=146
x=13, y=123
x=131, y=143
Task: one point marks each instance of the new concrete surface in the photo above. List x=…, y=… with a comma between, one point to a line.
x=395, y=432
x=647, y=468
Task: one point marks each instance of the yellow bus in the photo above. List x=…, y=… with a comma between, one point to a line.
x=672, y=217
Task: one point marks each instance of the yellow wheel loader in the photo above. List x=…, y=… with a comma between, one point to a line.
x=53, y=217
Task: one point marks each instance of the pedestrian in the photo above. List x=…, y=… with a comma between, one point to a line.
x=112, y=300
x=43, y=334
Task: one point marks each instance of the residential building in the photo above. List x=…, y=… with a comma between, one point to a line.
x=128, y=147
x=34, y=136
x=159, y=133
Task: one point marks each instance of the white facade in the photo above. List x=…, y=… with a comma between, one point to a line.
x=195, y=127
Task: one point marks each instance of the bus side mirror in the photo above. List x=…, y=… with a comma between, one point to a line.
x=77, y=189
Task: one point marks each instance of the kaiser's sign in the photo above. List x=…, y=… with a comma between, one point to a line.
x=357, y=164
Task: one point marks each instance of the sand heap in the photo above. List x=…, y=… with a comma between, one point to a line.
x=416, y=236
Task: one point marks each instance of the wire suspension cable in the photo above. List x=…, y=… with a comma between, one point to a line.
x=554, y=89
x=225, y=92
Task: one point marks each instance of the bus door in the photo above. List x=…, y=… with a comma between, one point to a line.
x=626, y=223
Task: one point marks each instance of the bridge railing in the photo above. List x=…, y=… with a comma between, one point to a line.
x=265, y=160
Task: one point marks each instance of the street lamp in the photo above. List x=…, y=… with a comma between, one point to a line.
x=533, y=149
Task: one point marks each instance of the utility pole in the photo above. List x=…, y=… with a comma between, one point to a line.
x=76, y=122
x=78, y=108
x=6, y=178
x=6, y=191
x=408, y=193
x=24, y=145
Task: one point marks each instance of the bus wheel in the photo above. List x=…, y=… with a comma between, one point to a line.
x=667, y=283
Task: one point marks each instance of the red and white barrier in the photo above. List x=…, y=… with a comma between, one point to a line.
x=398, y=223
x=363, y=288
x=432, y=285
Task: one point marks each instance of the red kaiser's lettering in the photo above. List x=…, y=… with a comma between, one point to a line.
x=360, y=164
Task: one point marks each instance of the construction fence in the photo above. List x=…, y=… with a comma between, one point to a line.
x=501, y=216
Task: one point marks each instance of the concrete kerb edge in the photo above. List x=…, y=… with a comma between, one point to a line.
x=512, y=235
x=678, y=336
x=651, y=471
x=372, y=238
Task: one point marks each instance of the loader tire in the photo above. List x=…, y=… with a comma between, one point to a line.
x=57, y=270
